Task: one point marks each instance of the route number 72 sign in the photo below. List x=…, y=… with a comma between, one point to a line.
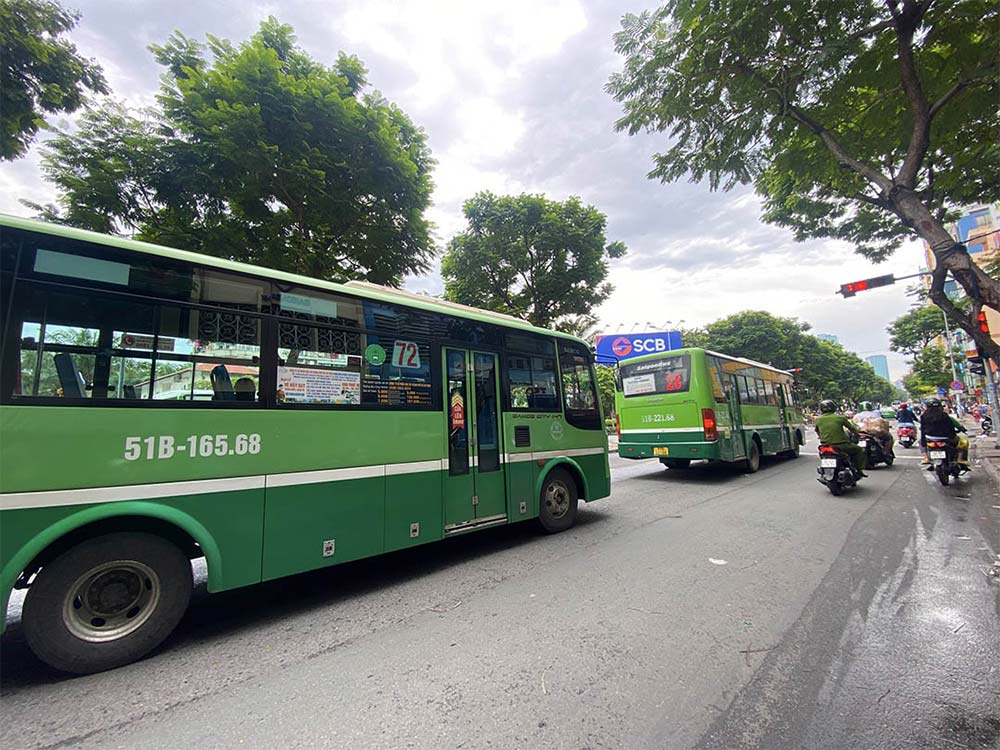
x=406, y=354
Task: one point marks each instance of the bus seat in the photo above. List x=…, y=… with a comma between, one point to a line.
x=222, y=384
x=70, y=379
x=245, y=390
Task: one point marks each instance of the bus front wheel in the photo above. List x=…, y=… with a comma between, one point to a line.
x=558, y=502
x=106, y=602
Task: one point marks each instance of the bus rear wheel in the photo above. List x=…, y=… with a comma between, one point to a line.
x=106, y=602
x=752, y=463
x=558, y=502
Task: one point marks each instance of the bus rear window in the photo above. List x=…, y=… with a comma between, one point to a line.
x=668, y=375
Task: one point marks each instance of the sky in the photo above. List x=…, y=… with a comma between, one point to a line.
x=511, y=96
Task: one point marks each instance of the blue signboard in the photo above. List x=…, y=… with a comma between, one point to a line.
x=620, y=346
x=942, y=391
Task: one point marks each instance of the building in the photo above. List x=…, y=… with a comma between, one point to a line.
x=879, y=363
x=828, y=337
x=978, y=228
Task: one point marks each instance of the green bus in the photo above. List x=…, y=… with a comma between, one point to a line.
x=691, y=404
x=158, y=405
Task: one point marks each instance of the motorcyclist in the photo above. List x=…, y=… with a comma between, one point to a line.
x=905, y=415
x=836, y=430
x=874, y=424
x=962, y=441
x=935, y=421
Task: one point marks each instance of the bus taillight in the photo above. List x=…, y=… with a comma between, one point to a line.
x=708, y=424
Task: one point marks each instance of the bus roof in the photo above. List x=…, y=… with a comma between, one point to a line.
x=362, y=289
x=673, y=352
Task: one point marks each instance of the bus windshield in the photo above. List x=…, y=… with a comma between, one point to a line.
x=667, y=375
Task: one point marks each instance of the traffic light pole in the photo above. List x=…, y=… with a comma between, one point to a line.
x=951, y=359
x=991, y=396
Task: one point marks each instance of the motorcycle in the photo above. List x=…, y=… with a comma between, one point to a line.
x=941, y=452
x=835, y=470
x=875, y=451
x=906, y=434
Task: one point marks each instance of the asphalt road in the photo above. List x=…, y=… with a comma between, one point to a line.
x=692, y=609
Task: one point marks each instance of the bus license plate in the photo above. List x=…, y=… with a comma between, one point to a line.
x=661, y=451
x=937, y=454
x=828, y=463
x=862, y=443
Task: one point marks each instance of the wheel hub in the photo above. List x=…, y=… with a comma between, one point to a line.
x=557, y=499
x=111, y=601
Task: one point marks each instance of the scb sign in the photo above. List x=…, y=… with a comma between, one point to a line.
x=627, y=345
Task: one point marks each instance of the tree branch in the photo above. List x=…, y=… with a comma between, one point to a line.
x=906, y=23
x=865, y=170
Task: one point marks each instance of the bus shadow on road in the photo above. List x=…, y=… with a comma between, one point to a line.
x=226, y=614
x=703, y=472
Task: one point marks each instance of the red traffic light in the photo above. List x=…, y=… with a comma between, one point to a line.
x=984, y=325
x=849, y=290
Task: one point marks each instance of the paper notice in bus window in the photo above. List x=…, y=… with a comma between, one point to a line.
x=639, y=384
x=302, y=385
x=406, y=354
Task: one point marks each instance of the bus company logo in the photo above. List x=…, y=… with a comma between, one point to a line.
x=621, y=346
x=556, y=430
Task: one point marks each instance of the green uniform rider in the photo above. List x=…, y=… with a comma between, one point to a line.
x=836, y=429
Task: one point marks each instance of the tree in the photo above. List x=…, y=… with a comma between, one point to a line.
x=528, y=256
x=40, y=72
x=912, y=332
x=931, y=370
x=258, y=153
x=861, y=120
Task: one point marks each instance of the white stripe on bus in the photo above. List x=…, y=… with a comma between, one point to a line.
x=55, y=498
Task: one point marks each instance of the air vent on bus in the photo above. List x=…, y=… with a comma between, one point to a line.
x=522, y=436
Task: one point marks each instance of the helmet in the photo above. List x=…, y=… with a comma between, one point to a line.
x=827, y=406
x=903, y=405
x=933, y=401
x=866, y=406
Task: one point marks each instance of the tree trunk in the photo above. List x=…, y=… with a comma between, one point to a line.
x=950, y=257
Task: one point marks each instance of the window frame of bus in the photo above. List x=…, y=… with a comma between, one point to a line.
x=580, y=418
x=506, y=397
x=268, y=347
x=12, y=340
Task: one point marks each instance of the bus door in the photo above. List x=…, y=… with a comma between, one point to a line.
x=474, y=484
x=788, y=441
x=736, y=419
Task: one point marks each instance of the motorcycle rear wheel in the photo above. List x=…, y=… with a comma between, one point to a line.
x=943, y=475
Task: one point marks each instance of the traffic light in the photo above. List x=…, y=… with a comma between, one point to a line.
x=852, y=288
x=984, y=325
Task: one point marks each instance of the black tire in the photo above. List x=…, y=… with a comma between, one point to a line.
x=676, y=463
x=836, y=489
x=558, y=501
x=943, y=475
x=889, y=460
x=794, y=451
x=139, y=581
x=752, y=463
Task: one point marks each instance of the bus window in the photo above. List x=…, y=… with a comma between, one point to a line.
x=666, y=375
x=579, y=393
x=531, y=373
